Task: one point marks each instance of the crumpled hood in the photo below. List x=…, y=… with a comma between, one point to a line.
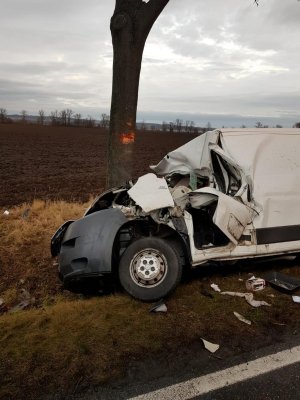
x=192, y=156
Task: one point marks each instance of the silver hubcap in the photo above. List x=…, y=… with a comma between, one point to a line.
x=148, y=268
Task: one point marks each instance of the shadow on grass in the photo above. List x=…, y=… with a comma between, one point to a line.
x=96, y=287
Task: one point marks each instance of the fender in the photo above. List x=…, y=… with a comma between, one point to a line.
x=86, y=248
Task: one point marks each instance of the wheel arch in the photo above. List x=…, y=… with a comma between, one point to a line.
x=136, y=229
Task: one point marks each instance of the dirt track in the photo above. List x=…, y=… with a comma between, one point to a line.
x=66, y=163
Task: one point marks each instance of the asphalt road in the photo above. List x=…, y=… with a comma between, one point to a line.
x=280, y=384
x=143, y=382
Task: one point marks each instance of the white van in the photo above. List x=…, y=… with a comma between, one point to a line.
x=226, y=195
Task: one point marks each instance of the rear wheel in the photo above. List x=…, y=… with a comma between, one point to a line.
x=150, y=268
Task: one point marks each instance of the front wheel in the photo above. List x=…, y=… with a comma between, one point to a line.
x=150, y=268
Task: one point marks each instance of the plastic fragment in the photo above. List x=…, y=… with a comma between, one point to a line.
x=159, y=307
x=3, y=308
x=26, y=213
x=215, y=287
x=6, y=212
x=21, y=306
x=241, y=318
x=211, y=347
x=26, y=301
x=255, y=284
x=296, y=299
x=249, y=298
x=282, y=281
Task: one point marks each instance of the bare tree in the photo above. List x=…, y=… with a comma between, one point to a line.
x=171, y=127
x=3, y=115
x=192, y=127
x=130, y=25
x=258, y=124
x=187, y=124
x=54, y=118
x=63, y=117
x=105, y=119
x=178, y=124
x=41, y=117
x=69, y=114
x=89, y=122
x=24, y=117
x=77, y=119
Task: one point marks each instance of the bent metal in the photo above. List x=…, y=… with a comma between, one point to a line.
x=225, y=195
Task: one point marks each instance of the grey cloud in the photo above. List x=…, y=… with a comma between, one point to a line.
x=60, y=51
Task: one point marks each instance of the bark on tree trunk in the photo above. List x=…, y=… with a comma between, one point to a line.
x=130, y=25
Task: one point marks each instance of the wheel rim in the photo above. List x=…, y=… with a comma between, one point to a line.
x=148, y=268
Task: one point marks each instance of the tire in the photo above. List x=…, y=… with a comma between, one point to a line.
x=150, y=269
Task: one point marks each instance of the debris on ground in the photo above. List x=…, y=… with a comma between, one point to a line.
x=249, y=298
x=254, y=284
x=159, y=307
x=206, y=293
x=241, y=318
x=282, y=281
x=215, y=287
x=211, y=347
x=6, y=212
x=296, y=299
x=26, y=213
x=25, y=301
x=3, y=307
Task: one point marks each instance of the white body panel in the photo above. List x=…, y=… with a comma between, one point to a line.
x=263, y=216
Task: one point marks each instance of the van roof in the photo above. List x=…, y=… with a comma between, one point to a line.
x=259, y=131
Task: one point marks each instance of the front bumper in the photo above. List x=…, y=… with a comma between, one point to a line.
x=86, y=245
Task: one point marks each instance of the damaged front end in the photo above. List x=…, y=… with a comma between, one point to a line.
x=198, y=198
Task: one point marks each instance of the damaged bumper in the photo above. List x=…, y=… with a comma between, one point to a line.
x=86, y=245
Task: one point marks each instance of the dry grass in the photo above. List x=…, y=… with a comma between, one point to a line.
x=25, y=248
x=66, y=343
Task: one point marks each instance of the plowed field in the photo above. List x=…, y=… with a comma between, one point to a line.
x=52, y=163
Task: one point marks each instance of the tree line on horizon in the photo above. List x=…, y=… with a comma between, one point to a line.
x=67, y=118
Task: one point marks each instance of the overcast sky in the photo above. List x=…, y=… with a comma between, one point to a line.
x=224, y=61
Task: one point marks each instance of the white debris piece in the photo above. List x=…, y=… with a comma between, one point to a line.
x=6, y=212
x=241, y=318
x=161, y=307
x=249, y=298
x=215, y=287
x=255, y=284
x=296, y=299
x=151, y=193
x=211, y=347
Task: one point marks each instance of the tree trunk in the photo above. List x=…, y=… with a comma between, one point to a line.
x=130, y=25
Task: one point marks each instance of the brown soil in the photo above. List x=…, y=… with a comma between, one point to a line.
x=54, y=163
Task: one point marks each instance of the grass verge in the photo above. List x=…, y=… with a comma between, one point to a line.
x=65, y=343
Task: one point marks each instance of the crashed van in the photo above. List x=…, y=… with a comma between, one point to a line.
x=225, y=195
